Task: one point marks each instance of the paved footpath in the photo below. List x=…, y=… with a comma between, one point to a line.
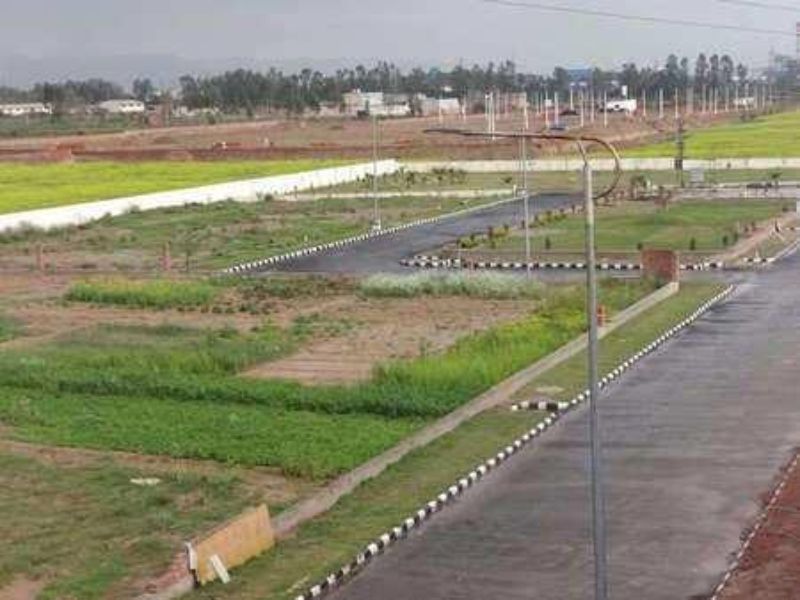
x=694, y=435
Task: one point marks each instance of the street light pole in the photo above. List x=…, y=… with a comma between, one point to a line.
x=376, y=217
x=598, y=496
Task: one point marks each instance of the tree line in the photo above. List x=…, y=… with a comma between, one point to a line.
x=273, y=90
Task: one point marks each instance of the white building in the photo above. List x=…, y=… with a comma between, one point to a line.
x=122, y=107
x=25, y=109
x=439, y=106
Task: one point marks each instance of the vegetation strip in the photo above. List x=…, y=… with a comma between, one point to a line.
x=450, y=494
x=776, y=494
x=310, y=250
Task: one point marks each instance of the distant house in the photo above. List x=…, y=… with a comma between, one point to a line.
x=358, y=103
x=122, y=107
x=439, y=106
x=25, y=109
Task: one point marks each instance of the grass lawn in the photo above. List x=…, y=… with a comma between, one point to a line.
x=218, y=235
x=767, y=136
x=622, y=228
x=27, y=187
x=87, y=532
x=326, y=543
x=569, y=378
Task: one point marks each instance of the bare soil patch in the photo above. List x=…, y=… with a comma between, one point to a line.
x=770, y=568
x=388, y=329
x=22, y=588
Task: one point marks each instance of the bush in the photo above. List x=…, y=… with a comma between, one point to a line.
x=152, y=293
x=478, y=285
x=693, y=244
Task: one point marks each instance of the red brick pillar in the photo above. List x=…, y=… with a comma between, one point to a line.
x=661, y=264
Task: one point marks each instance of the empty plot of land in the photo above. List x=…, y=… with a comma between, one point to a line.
x=388, y=330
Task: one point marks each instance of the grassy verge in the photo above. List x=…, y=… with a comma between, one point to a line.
x=326, y=543
x=8, y=328
x=703, y=226
x=569, y=378
x=28, y=187
x=90, y=533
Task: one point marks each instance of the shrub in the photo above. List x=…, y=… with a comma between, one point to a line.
x=152, y=293
x=693, y=244
x=479, y=285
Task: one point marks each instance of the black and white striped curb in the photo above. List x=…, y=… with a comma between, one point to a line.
x=625, y=365
x=370, y=235
x=437, y=262
x=459, y=487
x=762, y=518
x=759, y=261
x=426, y=512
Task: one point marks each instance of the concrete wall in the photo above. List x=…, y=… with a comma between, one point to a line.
x=628, y=164
x=245, y=191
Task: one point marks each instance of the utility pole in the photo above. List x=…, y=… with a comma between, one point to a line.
x=680, y=151
x=661, y=103
x=677, y=105
x=523, y=147
x=598, y=495
x=556, y=116
x=376, y=219
x=605, y=109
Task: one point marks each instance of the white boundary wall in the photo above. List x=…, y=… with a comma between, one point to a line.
x=245, y=191
x=628, y=164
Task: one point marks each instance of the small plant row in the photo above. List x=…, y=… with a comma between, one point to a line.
x=458, y=488
x=437, y=262
x=271, y=261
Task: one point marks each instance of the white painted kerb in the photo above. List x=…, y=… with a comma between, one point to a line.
x=244, y=191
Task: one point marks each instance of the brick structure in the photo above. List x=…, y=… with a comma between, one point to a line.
x=661, y=264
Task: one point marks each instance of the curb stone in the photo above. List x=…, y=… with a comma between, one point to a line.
x=244, y=268
x=437, y=262
x=756, y=528
x=459, y=487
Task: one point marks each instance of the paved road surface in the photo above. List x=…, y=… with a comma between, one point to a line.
x=694, y=436
x=385, y=253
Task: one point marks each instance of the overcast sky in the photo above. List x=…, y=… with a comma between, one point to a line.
x=443, y=32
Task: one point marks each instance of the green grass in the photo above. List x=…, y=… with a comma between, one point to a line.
x=477, y=285
x=159, y=293
x=299, y=443
x=87, y=531
x=567, y=379
x=8, y=328
x=623, y=228
x=766, y=136
x=28, y=187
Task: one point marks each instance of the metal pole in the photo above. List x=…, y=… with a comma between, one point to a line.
x=526, y=196
x=376, y=214
x=598, y=498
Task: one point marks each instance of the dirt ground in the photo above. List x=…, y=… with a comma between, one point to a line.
x=770, y=567
x=385, y=330
x=319, y=138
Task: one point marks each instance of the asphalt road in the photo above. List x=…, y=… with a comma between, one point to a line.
x=384, y=254
x=694, y=435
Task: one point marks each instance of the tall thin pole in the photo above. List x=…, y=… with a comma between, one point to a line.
x=376, y=208
x=605, y=108
x=598, y=498
x=527, y=213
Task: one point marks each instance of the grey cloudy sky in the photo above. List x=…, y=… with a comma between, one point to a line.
x=202, y=32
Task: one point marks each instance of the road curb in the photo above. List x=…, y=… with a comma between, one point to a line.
x=437, y=262
x=244, y=268
x=458, y=488
x=756, y=527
